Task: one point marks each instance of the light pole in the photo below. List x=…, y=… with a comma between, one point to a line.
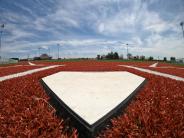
x=49, y=52
x=182, y=23
x=127, y=44
x=121, y=43
x=1, y=32
x=58, y=50
x=28, y=56
x=127, y=51
x=128, y=54
x=39, y=51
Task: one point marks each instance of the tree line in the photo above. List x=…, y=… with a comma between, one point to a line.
x=115, y=55
x=111, y=55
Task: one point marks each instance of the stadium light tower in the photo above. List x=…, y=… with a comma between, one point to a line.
x=58, y=49
x=128, y=54
x=126, y=47
x=39, y=50
x=181, y=24
x=49, y=51
x=127, y=44
x=127, y=50
x=1, y=32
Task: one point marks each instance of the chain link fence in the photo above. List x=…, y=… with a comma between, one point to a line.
x=7, y=61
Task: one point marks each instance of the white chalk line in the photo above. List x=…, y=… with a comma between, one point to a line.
x=11, y=66
x=154, y=65
x=162, y=67
x=32, y=64
x=20, y=66
x=169, y=67
x=155, y=73
x=26, y=72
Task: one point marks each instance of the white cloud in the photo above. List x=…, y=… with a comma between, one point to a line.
x=153, y=22
x=137, y=41
x=101, y=27
x=96, y=23
x=122, y=22
x=15, y=33
x=158, y=45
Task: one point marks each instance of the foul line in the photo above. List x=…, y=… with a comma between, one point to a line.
x=26, y=72
x=154, y=65
x=155, y=73
x=10, y=66
x=32, y=64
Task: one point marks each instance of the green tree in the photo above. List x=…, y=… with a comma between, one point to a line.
x=150, y=58
x=165, y=59
x=110, y=55
x=116, y=56
x=98, y=57
x=173, y=59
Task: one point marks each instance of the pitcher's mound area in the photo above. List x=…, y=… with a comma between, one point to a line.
x=92, y=98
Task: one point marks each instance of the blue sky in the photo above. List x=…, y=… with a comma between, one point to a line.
x=85, y=28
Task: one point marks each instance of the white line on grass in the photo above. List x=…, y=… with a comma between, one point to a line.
x=26, y=72
x=169, y=67
x=154, y=65
x=10, y=66
x=20, y=66
x=155, y=73
x=32, y=64
x=166, y=67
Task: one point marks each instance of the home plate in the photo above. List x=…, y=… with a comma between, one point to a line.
x=92, y=98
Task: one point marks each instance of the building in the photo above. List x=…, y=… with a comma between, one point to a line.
x=180, y=60
x=45, y=57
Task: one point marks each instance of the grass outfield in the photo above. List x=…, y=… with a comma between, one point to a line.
x=112, y=60
x=108, y=60
x=177, y=64
x=4, y=65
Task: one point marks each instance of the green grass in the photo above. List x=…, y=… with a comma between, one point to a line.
x=107, y=60
x=122, y=60
x=63, y=60
x=4, y=65
x=101, y=60
x=177, y=64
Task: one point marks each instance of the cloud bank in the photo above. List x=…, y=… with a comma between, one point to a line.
x=84, y=28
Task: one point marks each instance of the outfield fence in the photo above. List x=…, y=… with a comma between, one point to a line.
x=7, y=61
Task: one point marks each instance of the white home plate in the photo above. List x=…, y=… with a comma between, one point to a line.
x=91, y=96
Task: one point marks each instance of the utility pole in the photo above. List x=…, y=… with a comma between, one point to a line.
x=181, y=24
x=1, y=32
